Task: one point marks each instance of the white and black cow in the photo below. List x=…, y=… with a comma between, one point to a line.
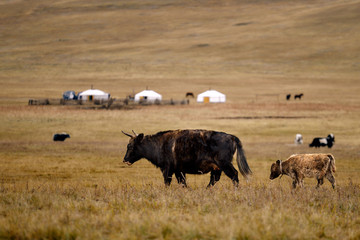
x=322, y=142
x=61, y=136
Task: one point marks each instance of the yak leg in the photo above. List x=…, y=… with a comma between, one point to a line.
x=181, y=178
x=331, y=179
x=215, y=177
x=167, y=174
x=232, y=173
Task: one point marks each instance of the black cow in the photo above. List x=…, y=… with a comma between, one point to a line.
x=288, y=96
x=322, y=142
x=61, y=136
x=189, y=151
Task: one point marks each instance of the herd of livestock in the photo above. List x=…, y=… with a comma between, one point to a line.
x=182, y=152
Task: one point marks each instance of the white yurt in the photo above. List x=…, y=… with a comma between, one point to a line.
x=148, y=96
x=211, y=96
x=93, y=94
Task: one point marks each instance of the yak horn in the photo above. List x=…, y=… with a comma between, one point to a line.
x=127, y=134
x=134, y=133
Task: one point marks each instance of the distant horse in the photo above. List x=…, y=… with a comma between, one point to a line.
x=298, y=96
x=288, y=97
x=189, y=94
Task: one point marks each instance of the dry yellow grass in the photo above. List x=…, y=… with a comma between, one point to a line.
x=119, y=210
x=79, y=189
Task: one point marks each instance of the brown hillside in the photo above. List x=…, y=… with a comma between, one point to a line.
x=177, y=46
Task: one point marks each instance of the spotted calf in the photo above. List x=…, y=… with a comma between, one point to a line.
x=300, y=166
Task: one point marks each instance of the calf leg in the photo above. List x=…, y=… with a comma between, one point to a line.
x=181, y=178
x=215, y=177
x=299, y=177
x=331, y=179
x=232, y=173
x=301, y=182
x=296, y=180
x=320, y=182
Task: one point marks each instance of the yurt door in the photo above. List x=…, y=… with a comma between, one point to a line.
x=206, y=99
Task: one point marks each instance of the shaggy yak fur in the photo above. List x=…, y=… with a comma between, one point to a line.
x=299, y=166
x=189, y=151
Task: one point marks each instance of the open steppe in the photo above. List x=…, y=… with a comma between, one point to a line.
x=255, y=52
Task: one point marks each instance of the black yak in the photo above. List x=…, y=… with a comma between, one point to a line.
x=189, y=151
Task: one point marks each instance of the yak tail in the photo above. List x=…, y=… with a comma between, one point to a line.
x=332, y=162
x=241, y=160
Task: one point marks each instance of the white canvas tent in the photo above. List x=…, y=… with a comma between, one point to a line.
x=211, y=96
x=148, y=96
x=93, y=94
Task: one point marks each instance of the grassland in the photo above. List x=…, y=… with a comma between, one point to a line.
x=249, y=50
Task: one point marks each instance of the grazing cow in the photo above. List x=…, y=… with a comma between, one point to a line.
x=189, y=94
x=299, y=166
x=189, y=151
x=288, y=97
x=60, y=136
x=299, y=96
x=298, y=139
x=322, y=142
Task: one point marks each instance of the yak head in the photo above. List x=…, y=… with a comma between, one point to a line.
x=133, y=152
x=276, y=169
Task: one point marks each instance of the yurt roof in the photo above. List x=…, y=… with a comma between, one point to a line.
x=211, y=93
x=93, y=92
x=149, y=93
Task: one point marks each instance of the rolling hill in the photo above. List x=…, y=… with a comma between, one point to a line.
x=239, y=47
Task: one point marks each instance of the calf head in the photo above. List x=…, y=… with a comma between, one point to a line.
x=276, y=169
x=133, y=152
